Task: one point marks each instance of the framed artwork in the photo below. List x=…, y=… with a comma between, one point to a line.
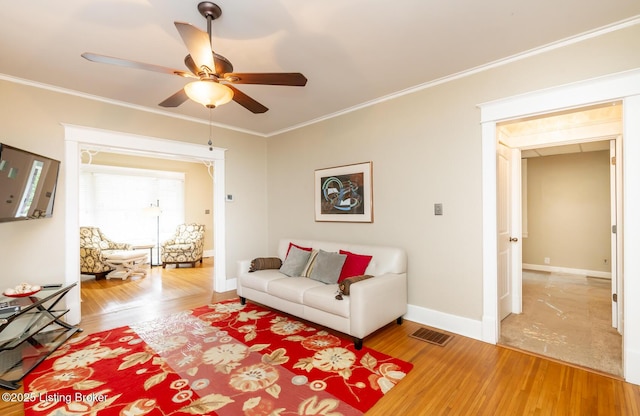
x=344, y=193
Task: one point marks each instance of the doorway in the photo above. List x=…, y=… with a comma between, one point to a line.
x=77, y=138
x=565, y=309
x=571, y=136
x=623, y=86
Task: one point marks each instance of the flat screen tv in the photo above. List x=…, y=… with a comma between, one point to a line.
x=27, y=184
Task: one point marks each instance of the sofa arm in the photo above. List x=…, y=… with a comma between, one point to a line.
x=243, y=267
x=366, y=299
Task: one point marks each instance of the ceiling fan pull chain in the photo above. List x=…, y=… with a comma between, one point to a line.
x=210, y=142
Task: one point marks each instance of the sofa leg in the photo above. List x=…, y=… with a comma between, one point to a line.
x=399, y=320
x=243, y=301
x=357, y=343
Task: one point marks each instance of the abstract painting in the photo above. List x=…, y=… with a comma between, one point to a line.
x=344, y=193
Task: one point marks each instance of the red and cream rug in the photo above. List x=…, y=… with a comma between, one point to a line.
x=221, y=359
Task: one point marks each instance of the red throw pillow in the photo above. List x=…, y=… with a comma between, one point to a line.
x=297, y=246
x=354, y=265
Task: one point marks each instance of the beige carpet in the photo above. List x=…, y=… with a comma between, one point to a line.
x=566, y=317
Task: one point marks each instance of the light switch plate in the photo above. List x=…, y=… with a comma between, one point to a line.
x=437, y=209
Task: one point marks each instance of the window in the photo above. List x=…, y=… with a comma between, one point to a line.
x=115, y=198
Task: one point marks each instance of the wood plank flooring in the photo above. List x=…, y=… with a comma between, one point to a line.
x=465, y=377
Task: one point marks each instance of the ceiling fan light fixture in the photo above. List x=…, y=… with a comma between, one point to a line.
x=209, y=93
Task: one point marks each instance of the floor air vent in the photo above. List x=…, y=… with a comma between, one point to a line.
x=432, y=337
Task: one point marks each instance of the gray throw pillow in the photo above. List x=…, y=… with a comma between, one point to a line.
x=295, y=262
x=327, y=267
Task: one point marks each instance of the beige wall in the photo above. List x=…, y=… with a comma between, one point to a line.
x=30, y=118
x=425, y=148
x=569, y=211
x=198, y=185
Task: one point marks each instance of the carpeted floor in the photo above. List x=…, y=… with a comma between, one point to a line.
x=220, y=359
x=566, y=317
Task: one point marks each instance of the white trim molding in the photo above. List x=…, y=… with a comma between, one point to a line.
x=624, y=86
x=466, y=327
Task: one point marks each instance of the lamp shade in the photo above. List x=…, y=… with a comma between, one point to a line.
x=152, y=211
x=209, y=93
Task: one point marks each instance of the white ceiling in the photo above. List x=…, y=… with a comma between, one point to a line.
x=566, y=149
x=352, y=52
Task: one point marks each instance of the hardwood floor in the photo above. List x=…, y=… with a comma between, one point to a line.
x=465, y=377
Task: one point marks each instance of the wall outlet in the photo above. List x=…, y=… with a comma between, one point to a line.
x=437, y=209
x=547, y=260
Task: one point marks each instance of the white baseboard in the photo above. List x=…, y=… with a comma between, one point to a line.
x=451, y=323
x=568, y=270
x=208, y=253
x=632, y=362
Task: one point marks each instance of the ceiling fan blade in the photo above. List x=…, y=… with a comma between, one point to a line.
x=247, y=102
x=294, y=79
x=133, y=64
x=175, y=100
x=198, y=44
x=188, y=61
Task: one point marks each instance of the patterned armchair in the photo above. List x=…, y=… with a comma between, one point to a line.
x=185, y=247
x=93, y=245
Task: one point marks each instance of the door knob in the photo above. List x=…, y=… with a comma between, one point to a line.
x=513, y=239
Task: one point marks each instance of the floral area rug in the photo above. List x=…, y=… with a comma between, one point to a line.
x=220, y=359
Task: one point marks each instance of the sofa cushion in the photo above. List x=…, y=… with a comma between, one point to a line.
x=265, y=263
x=260, y=280
x=323, y=298
x=291, y=288
x=327, y=267
x=295, y=261
x=354, y=265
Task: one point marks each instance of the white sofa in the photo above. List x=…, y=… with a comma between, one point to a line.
x=372, y=303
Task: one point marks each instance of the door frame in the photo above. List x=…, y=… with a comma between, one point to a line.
x=79, y=137
x=623, y=86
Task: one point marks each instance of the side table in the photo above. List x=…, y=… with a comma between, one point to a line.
x=30, y=331
x=149, y=247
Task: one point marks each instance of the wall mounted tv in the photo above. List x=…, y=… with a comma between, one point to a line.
x=27, y=184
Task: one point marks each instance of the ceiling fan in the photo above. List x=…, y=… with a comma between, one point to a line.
x=214, y=72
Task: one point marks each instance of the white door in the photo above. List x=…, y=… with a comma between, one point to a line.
x=504, y=231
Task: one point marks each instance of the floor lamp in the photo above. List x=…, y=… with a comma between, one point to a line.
x=155, y=211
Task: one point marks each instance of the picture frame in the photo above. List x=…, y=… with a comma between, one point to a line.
x=344, y=193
